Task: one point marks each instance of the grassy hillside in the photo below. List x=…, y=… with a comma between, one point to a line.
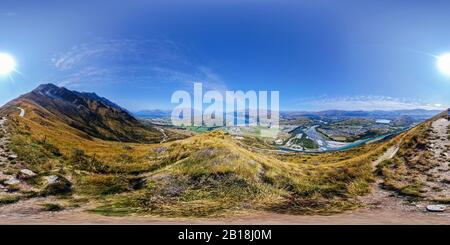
x=207, y=174
x=419, y=170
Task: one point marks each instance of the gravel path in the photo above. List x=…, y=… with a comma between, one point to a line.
x=437, y=180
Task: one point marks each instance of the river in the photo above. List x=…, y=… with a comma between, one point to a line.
x=329, y=146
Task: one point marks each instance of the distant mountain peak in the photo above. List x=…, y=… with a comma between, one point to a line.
x=46, y=87
x=88, y=112
x=52, y=91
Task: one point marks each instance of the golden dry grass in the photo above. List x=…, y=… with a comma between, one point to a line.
x=207, y=174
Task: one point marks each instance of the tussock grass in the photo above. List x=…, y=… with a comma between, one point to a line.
x=52, y=207
x=404, y=174
x=211, y=174
x=9, y=199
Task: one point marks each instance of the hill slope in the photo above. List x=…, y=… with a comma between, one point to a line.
x=95, y=116
x=421, y=169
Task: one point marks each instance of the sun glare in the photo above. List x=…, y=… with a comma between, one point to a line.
x=443, y=63
x=7, y=64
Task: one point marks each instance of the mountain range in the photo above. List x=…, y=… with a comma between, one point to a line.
x=421, y=113
x=94, y=115
x=376, y=113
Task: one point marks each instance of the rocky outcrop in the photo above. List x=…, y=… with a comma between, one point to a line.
x=5, y=156
x=56, y=185
x=12, y=178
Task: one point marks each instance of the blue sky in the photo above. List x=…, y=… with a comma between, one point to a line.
x=319, y=54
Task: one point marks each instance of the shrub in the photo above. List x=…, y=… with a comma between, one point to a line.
x=51, y=207
x=8, y=200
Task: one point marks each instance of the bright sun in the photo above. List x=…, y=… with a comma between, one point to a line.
x=7, y=64
x=443, y=63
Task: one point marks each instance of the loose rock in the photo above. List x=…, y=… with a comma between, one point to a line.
x=12, y=181
x=56, y=185
x=26, y=173
x=12, y=157
x=436, y=208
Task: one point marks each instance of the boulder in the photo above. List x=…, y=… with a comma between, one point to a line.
x=436, y=208
x=56, y=185
x=26, y=173
x=12, y=157
x=12, y=181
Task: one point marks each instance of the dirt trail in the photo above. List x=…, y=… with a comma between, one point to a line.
x=165, y=137
x=5, y=158
x=10, y=184
x=3, y=142
x=389, y=154
x=437, y=180
x=22, y=112
x=387, y=205
x=29, y=212
x=5, y=155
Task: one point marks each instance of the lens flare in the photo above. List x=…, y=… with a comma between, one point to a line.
x=7, y=64
x=443, y=64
